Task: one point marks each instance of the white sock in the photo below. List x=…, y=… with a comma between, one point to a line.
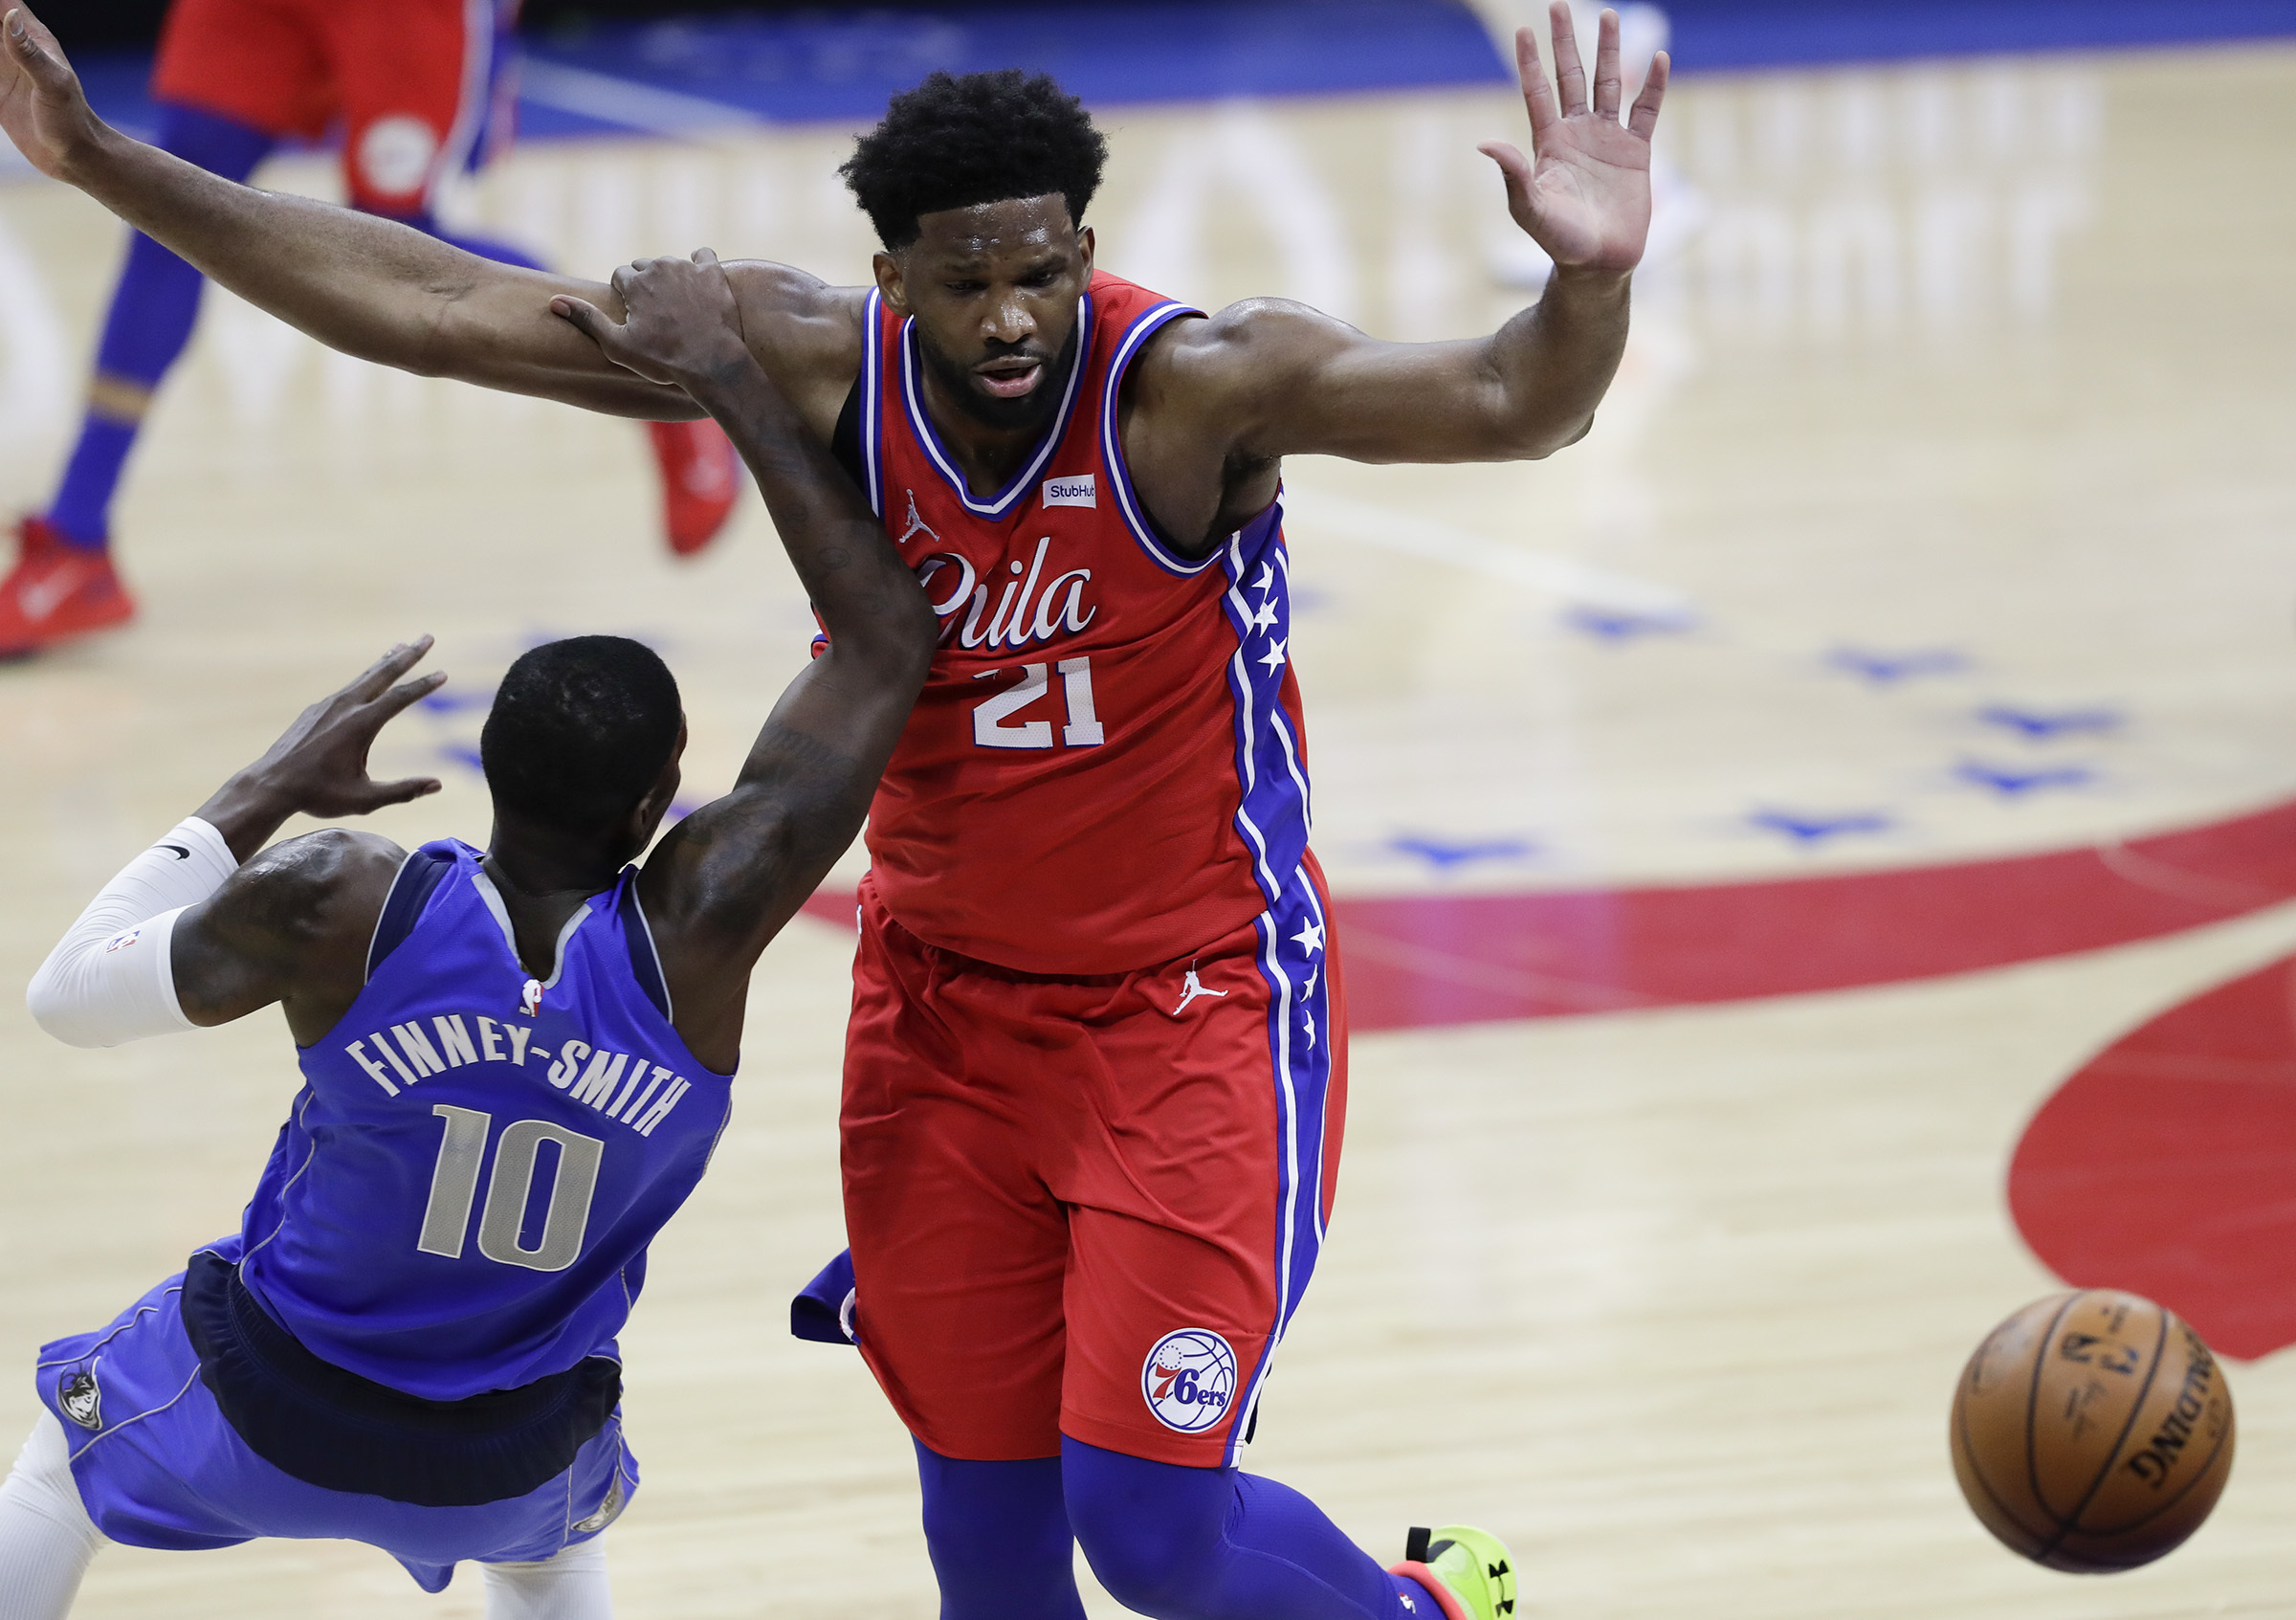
x=47, y=1540
x=570, y=1587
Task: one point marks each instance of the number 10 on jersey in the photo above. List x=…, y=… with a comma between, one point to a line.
x=1083, y=730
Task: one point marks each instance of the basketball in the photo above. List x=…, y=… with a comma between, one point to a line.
x=2092, y=1431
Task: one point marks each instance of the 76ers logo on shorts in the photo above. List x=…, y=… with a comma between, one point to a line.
x=1189, y=1380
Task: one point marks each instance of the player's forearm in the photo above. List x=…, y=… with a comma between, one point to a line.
x=367, y=286
x=869, y=601
x=1553, y=364
x=364, y=285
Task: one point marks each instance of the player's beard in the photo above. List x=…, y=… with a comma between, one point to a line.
x=1024, y=415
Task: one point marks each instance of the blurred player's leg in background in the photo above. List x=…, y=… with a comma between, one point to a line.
x=423, y=103
x=424, y=92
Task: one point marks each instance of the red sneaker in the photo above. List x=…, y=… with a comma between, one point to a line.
x=56, y=591
x=700, y=478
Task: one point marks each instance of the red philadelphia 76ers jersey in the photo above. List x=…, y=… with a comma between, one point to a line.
x=1106, y=768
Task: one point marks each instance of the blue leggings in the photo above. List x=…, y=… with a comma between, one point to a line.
x=1177, y=1544
x=152, y=313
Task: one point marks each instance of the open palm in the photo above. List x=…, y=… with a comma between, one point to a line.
x=1584, y=194
x=41, y=106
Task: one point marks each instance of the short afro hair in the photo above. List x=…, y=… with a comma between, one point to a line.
x=580, y=730
x=953, y=143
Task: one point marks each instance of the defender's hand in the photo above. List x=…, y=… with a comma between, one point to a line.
x=319, y=766
x=680, y=325
x=1586, y=197
x=41, y=104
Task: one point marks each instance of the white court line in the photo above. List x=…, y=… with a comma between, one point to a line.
x=1439, y=542
x=632, y=105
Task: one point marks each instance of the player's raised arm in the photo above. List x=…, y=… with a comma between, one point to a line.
x=367, y=286
x=199, y=929
x=725, y=880
x=1285, y=379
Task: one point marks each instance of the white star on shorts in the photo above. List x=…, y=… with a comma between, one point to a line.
x=1310, y=937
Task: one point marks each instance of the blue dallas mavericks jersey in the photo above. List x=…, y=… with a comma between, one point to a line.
x=462, y=1195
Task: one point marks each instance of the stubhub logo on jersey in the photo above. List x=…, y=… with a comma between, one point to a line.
x=1189, y=1380
x=1078, y=491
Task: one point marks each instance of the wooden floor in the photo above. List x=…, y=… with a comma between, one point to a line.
x=1959, y=392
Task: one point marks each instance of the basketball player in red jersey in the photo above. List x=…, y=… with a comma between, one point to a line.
x=422, y=90
x=1095, y=1071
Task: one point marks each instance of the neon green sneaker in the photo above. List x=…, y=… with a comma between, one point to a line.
x=1467, y=1570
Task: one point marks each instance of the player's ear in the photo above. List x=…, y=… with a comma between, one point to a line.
x=1083, y=249
x=888, y=270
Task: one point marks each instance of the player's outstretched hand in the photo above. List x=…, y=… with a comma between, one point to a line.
x=1584, y=194
x=680, y=324
x=41, y=104
x=319, y=766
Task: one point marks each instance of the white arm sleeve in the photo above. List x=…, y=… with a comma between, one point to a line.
x=110, y=979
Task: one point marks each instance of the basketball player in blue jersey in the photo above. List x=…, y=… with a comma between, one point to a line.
x=515, y=1064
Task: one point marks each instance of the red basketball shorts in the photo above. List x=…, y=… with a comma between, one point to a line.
x=1088, y=1206
x=407, y=79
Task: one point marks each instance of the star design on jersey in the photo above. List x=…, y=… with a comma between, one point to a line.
x=1310, y=937
x=1273, y=658
x=1266, y=580
x=1265, y=619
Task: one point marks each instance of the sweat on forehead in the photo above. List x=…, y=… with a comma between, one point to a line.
x=1013, y=224
x=955, y=143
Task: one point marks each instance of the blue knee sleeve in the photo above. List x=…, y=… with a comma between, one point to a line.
x=151, y=321
x=1216, y=1544
x=998, y=1536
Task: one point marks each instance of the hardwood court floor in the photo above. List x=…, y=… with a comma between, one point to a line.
x=1943, y=509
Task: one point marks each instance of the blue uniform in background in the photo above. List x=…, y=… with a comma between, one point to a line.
x=411, y=1340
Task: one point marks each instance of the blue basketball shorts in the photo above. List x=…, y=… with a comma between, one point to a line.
x=158, y=1465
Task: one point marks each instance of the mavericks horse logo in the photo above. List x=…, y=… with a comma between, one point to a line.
x=1189, y=1380
x=78, y=1398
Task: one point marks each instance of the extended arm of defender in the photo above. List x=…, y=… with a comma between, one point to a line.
x=727, y=878
x=370, y=287
x=194, y=932
x=1296, y=383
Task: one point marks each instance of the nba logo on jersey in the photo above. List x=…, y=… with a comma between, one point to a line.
x=1078, y=491
x=1190, y=1379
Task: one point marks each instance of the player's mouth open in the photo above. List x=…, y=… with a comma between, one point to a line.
x=1011, y=379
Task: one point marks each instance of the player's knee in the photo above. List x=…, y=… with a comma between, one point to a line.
x=1154, y=1533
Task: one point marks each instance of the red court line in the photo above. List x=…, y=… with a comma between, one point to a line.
x=2167, y=1166
x=1420, y=961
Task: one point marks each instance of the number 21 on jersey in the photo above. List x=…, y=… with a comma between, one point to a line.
x=994, y=722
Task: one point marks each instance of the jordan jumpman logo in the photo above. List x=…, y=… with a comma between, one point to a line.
x=917, y=524
x=1190, y=987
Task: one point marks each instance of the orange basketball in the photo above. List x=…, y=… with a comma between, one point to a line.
x=2092, y=1431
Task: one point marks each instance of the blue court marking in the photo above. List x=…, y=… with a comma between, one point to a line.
x=447, y=701
x=1711, y=35
x=2012, y=783
x=2037, y=725
x=1806, y=829
x=461, y=754
x=1445, y=854
x=1617, y=625
x=1888, y=669
x=680, y=73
